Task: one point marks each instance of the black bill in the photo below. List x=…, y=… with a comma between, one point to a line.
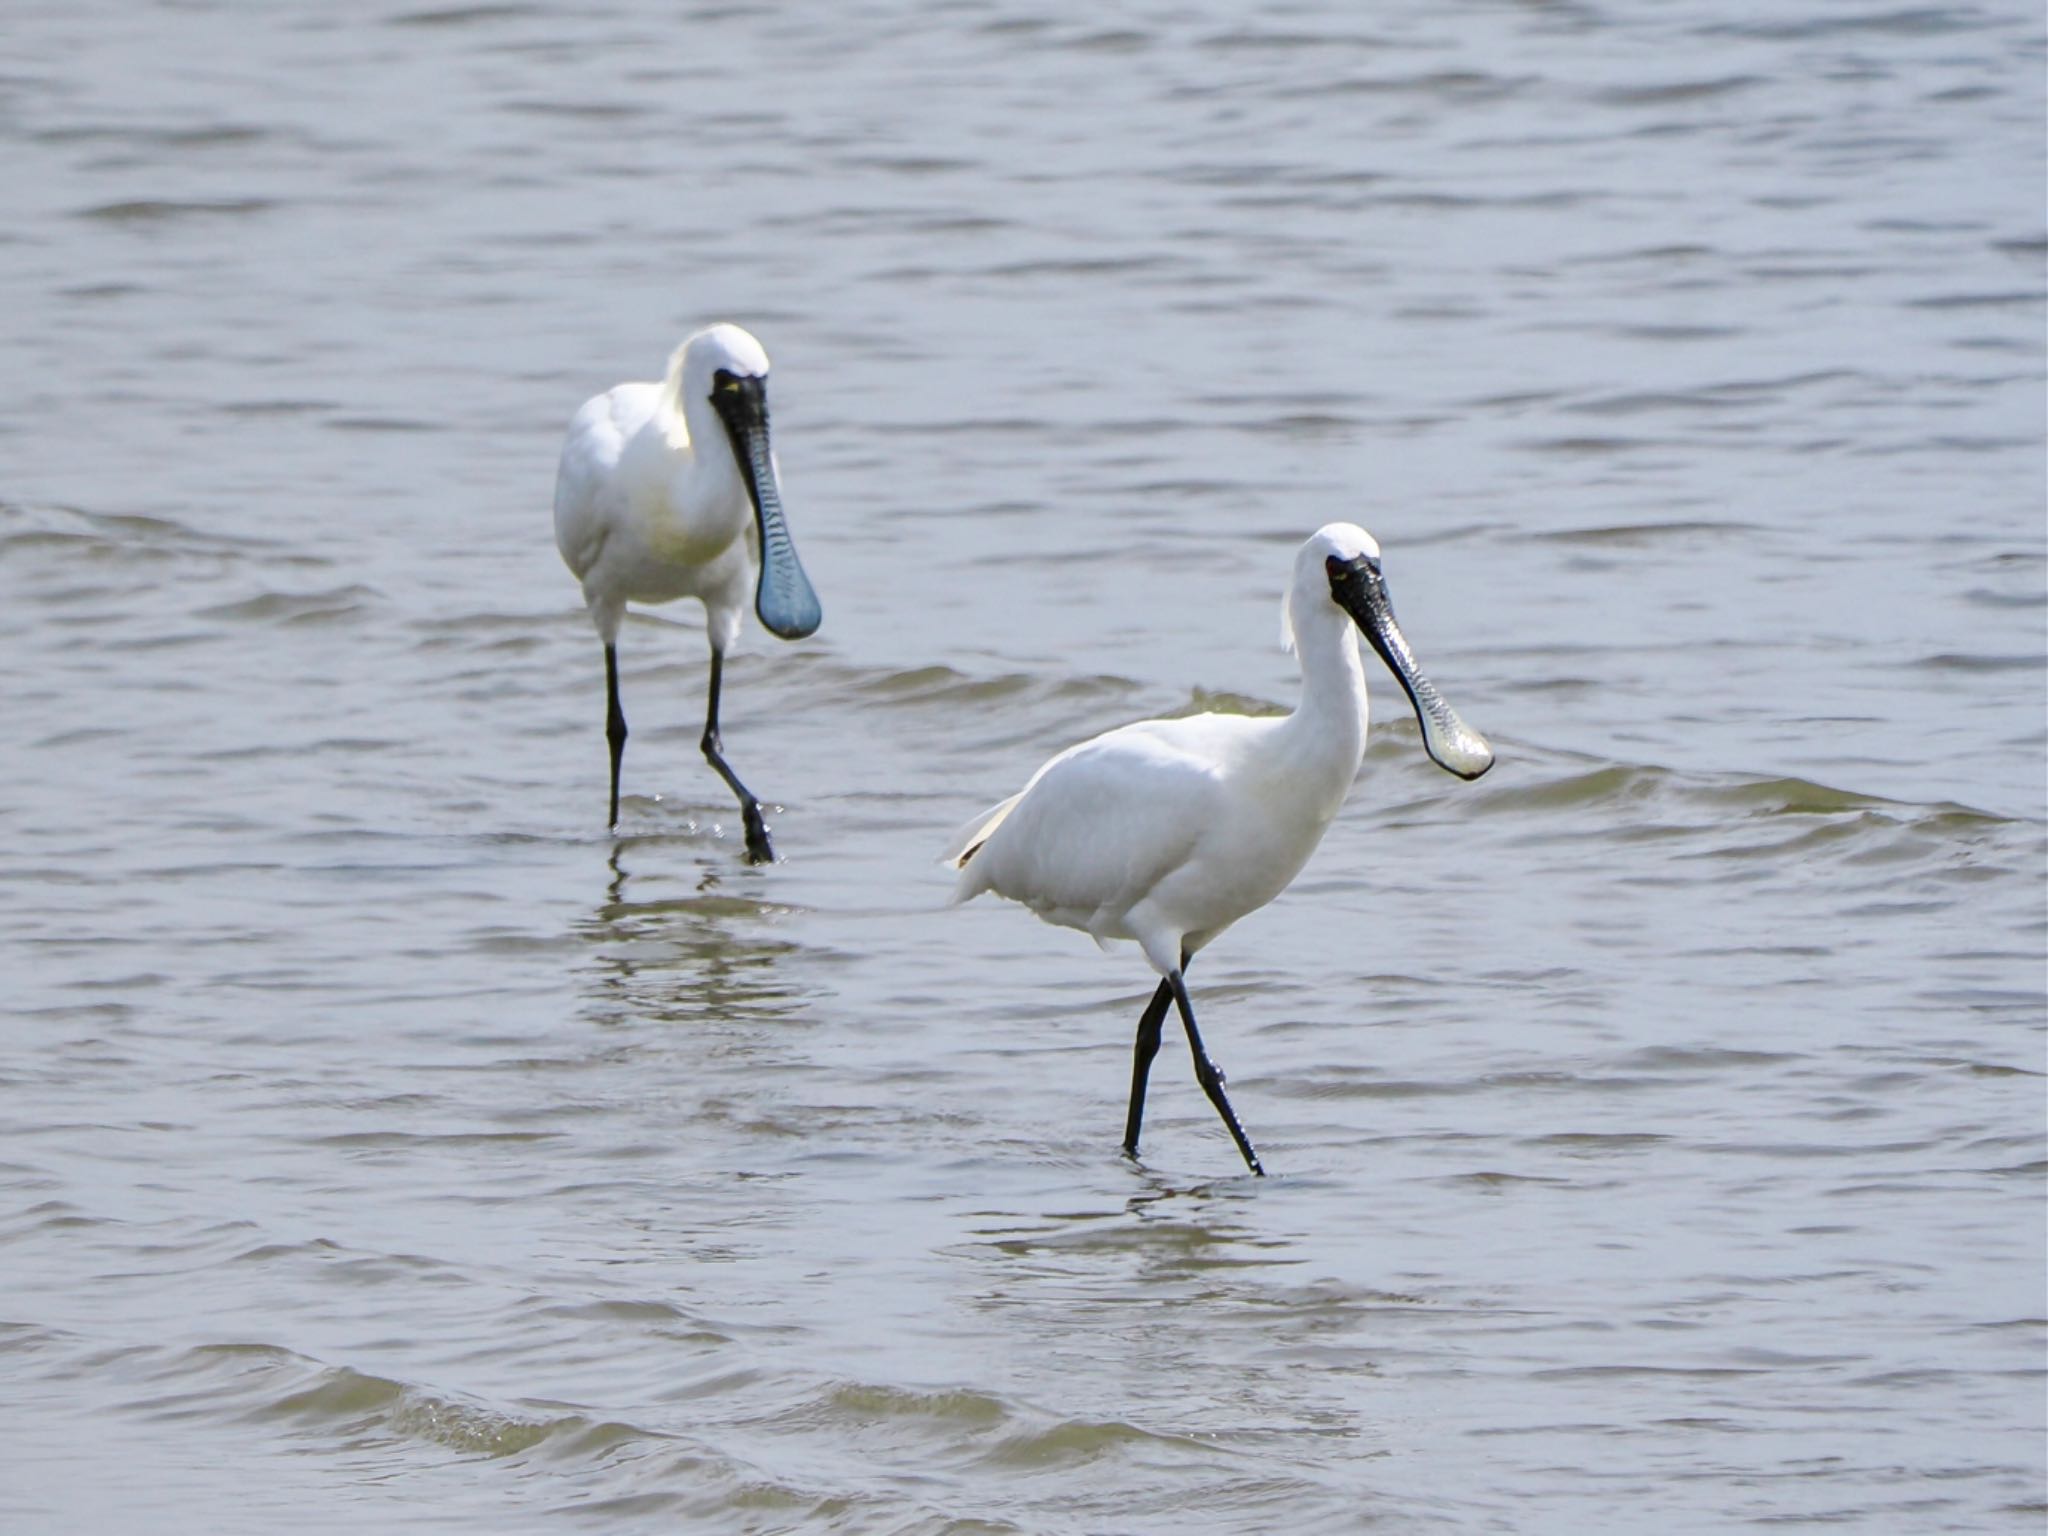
x=1454, y=745
x=783, y=596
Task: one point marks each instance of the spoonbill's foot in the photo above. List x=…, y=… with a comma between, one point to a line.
x=759, y=849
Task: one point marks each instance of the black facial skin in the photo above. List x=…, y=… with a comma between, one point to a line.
x=1361, y=590
x=741, y=403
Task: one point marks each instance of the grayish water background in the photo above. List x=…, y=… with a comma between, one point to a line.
x=1657, y=1124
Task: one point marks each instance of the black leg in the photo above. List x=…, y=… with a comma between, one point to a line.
x=614, y=724
x=758, y=849
x=1142, y=1052
x=1209, y=1077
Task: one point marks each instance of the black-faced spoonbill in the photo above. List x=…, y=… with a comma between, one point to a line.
x=1169, y=831
x=669, y=490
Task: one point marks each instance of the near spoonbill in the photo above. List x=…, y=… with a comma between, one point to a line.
x=669, y=490
x=1169, y=831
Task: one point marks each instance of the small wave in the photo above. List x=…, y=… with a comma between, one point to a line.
x=1452, y=85
x=2031, y=246
x=1080, y=266
x=592, y=111
x=1685, y=1058
x=1596, y=1141
x=273, y=407
x=1496, y=1180
x=198, y=136
x=959, y=224
x=1205, y=701
x=1117, y=40
x=1712, y=397
x=911, y=165
x=1632, y=535
x=947, y=687
x=1675, y=91
x=296, y=607
x=2005, y=299
x=1953, y=661
x=460, y=15
x=1915, y=21
x=1747, y=826
x=1075, y=1442
x=1458, y=202
x=381, y=424
x=1657, y=254
x=270, y=1386
x=150, y=210
x=942, y=684
x=209, y=135
x=355, y=1404
x=97, y=291
x=1755, y=795
x=1303, y=424
x=973, y=426
x=117, y=529
x=1673, y=332
x=1590, y=446
x=977, y=1429
x=1246, y=38
x=384, y=1141
x=958, y=1405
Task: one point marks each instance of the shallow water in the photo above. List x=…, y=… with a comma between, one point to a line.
x=1656, y=1125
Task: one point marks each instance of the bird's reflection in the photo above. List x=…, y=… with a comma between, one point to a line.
x=671, y=943
x=1175, y=1199
x=1162, y=1237
x=616, y=891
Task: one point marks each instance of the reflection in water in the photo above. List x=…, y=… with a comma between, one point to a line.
x=616, y=891
x=700, y=957
x=1160, y=1235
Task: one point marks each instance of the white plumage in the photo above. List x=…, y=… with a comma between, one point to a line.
x=669, y=490
x=1168, y=831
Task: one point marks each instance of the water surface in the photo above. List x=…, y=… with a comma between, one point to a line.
x=1656, y=1125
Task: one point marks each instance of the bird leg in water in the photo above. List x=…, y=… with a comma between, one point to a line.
x=1209, y=1077
x=1142, y=1052
x=614, y=725
x=758, y=849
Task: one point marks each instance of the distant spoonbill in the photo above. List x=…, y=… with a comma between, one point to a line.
x=1169, y=831
x=650, y=506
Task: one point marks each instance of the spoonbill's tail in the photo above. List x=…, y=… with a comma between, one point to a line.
x=967, y=842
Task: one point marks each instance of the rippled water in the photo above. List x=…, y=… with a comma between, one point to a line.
x=1656, y=1125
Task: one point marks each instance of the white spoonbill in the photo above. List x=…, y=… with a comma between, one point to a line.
x=669, y=490
x=1169, y=831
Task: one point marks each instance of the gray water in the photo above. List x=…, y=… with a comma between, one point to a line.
x=1656, y=1125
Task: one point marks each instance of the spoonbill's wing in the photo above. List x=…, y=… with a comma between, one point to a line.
x=1097, y=827
x=591, y=496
